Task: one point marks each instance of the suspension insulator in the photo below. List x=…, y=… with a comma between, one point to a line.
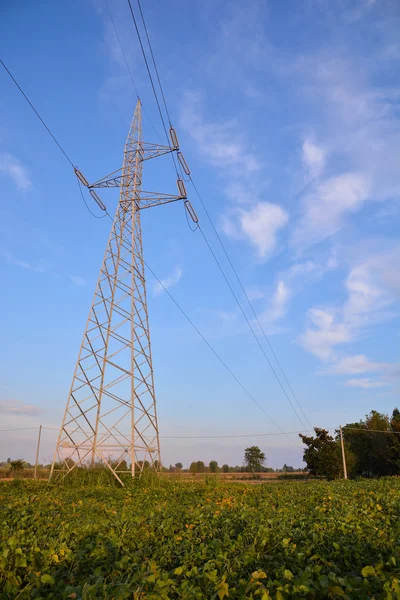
x=181, y=188
x=81, y=177
x=174, y=138
x=183, y=163
x=191, y=212
x=98, y=201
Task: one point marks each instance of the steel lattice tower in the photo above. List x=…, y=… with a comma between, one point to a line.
x=111, y=414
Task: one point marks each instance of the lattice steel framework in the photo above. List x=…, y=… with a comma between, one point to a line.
x=111, y=416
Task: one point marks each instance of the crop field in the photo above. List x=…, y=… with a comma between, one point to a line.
x=200, y=540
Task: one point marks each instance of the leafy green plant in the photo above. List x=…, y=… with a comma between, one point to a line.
x=162, y=539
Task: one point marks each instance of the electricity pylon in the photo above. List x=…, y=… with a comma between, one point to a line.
x=111, y=416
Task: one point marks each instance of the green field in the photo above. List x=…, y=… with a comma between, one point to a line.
x=200, y=540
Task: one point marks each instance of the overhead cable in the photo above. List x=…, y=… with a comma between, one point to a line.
x=128, y=67
x=38, y=115
x=215, y=230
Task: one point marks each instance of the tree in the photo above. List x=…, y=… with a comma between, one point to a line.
x=321, y=454
x=193, y=467
x=179, y=465
x=225, y=468
x=394, y=443
x=200, y=466
x=374, y=450
x=17, y=465
x=287, y=468
x=213, y=466
x=254, y=458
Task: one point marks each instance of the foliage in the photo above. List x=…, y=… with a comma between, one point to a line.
x=213, y=466
x=17, y=465
x=178, y=465
x=375, y=444
x=254, y=458
x=166, y=540
x=321, y=454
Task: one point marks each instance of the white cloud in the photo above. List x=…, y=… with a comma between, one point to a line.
x=76, y=280
x=357, y=124
x=23, y=264
x=355, y=365
x=168, y=281
x=365, y=383
x=278, y=305
x=17, y=408
x=314, y=157
x=325, y=207
x=324, y=332
x=12, y=167
x=259, y=225
x=372, y=288
x=222, y=144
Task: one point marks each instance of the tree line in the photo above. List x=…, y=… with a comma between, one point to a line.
x=371, y=448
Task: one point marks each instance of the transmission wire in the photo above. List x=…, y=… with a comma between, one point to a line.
x=51, y=133
x=128, y=67
x=218, y=236
x=38, y=115
x=152, y=84
x=249, y=323
x=154, y=275
x=249, y=302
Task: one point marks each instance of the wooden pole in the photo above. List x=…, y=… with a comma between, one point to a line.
x=343, y=453
x=37, y=453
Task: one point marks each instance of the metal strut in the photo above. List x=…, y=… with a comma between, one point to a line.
x=111, y=416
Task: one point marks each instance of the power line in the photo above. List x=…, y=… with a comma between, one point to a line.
x=128, y=67
x=154, y=62
x=185, y=437
x=345, y=428
x=148, y=69
x=122, y=50
x=52, y=135
x=183, y=312
x=215, y=352
x=247, y=298
x=219, y=238
x=154, y=275
x=38, y=115
x=18, y=429
x=221, y=437
x=85, y=203
x=152, y=84
x=249, y=323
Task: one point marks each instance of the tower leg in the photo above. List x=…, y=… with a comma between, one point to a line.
x=111, y=410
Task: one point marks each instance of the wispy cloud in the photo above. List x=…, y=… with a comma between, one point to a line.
x=259, y=225
x=13, y=168
x=355, y=365
x=168, y=281
x=77, y=280
x=221, y=144
x=18, y=408
x=365, y=383
x=327, y=205
x=358, y=132
x=23, y=264
x=278, y=304
x=225, y=145
x=314, y=157
x=372, y=287
x=288, y=284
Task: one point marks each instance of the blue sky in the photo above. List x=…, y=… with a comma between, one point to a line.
x=288, y=115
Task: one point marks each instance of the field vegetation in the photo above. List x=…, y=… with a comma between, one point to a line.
x=164, y=538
